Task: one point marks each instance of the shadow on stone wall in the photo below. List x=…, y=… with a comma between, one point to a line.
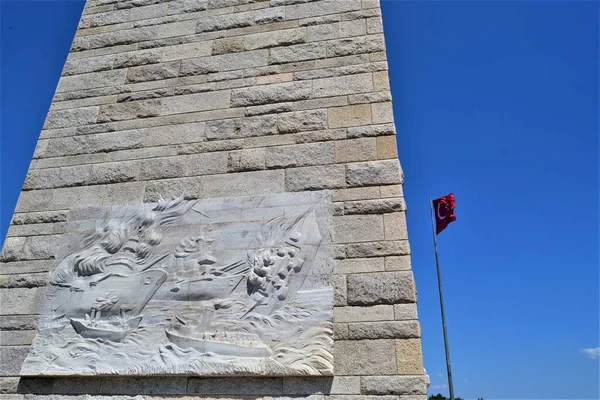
x=245, y=386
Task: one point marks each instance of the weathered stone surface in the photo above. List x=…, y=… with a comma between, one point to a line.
x=12, y=357
x=358, y=265
x=404, y=312
x=397, y=263
x=314, y=178
x=386, y=147
x=272, y=39
x=364, y=357
x=114, y=172
x=16, y=338
x=189, y=188
x=302, y=121
x=395, y=226
x=339, y=286
x=91, y=80
x=343, y=85
x=136, y=58
x=384, y=330
x=161, y=168
x=21, y=301
x=371, y=130
x=86, y=65
x=300, y=155
x=381, y=288
x=374, y=173
x=357, y=228
x=382, y=113
x=153, y=72
x=363, y=314
x=249, y=183
x=378, y=385
x=187, y=50
x=199, y=66
x=19, y=322
x=356, y=150
x=299, y=52
x=342, y=117
x=246, y=160
x=129, y=110
x=409, y=357
x=321, y=385
x=72, y=117
x=314, y=9
x=10, y=385
x=376, y=206
x=270, y=93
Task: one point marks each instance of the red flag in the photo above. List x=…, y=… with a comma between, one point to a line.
x=444, y=212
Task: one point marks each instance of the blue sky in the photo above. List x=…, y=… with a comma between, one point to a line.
x=494, y=101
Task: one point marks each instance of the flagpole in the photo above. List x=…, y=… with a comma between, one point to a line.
x=437, y=263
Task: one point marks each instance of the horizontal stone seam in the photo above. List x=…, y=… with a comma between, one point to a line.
x=208, y=82
x=138, y=161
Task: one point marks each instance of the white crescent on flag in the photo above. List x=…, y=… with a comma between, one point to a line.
x=438, y=211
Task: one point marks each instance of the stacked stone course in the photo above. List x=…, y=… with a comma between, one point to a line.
x=215, y=98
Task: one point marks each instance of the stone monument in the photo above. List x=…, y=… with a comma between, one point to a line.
x=214, y=208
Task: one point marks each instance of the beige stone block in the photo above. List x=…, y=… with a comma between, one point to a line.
x=287, y=77
x=409, y=357
x=405, y=312
x=364, y=149
x=360, y=193
x=248, y=183
x=364, y=357
x=187, y=50
x=387, y=147
x=382, y=113
x=397, y=263
x=228, y=45
x=381, y=81
x=358, y=265
x=391, y=191
x=363, y=314
x=356, y=115
x=357, y=228
x=394, y=225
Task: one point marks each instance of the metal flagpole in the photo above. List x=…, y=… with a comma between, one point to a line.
x=437, y=263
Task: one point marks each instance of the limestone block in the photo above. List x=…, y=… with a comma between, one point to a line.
x=395, y=226
x=120, y=16
x=86, y=65
x=397, y=263
x=376, y=206
x=300, y=155
x=247, y=59
x=362, y=193
x=321, y=385
x=136, y=58
x=384, y=330
x=391, y=191
x=373, y=97
x=148, y=385
x=186, y=6
x=21, y=301
x=299, y=52
x=129, y=110
x=114, y=172
x=341, y=117
x=24, y=267
x=399, y=385
x=405, y=312
x=228, y=45
x=40, y=217
x=187, y=50
x=13, y=248
x=16, y=338
x=374, y=25
x=233, y=386
x=364, y=357
x=302, y=121
x=314, y=9
x=89, y=144
x=339, y=293
x=314, y=178
x=381, y=80
x=358, y=265
x=41, y=247
x=269, y=15
x=72, y=117
x=264, y=40
x=269, y=109
x=249, y=183
x=206, y=163
x=356, y=150
x=374, y=173
x=124, y=193
x=189, y=188
x=23, y=280
x=357, y=228
x=10, y=385
x=279, y=78
x=12, y=357
x=381, y=288
x=382, y=113
x=175, y=29
x=246, y=160
x=226, y=21
x=160, y=168
x=19, y=322
x=275, y=93
x=355, y=45
x=195, y=102
x=91, y=80
x=199, y=66
x=371, y=130
x=363, y=314
x=409, y=356
x=342, y=85
x=153, y=72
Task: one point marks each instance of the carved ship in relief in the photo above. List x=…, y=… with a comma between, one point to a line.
x=114, y=331
x=234, y=344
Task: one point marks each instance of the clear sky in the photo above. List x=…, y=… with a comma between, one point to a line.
x=494, y=101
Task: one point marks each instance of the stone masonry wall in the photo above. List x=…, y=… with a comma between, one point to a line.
x=215, y=98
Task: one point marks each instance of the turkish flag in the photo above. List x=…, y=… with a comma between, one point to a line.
x=444, y=212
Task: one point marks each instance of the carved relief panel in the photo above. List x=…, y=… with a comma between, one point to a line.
x=229, y=286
